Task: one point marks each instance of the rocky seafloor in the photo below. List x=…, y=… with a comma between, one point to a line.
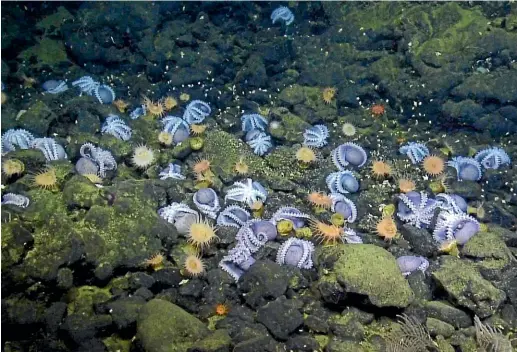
x=76, y=268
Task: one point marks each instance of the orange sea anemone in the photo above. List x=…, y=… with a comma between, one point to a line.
x=320, y=200
x=433, y=165
x=406, y=184
x=328, y=94
x=201, y=165
x=155, y=261
x=377, y=110
x=330, y=234
x=386, y=228
x=381, y=169
x=222, y=309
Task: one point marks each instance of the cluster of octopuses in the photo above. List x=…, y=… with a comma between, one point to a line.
x=453, y=224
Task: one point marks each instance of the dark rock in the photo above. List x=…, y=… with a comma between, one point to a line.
x=92, y=345
x=193, y=288
x=338, y=345
x=23, y=311
x=438, y=327
x=316, y=324
x=257, y=344
x=305, y=343
x=281, y=317
x=81, y=328
x=65, y=278
x=144, y=293
x=447, y=313
x=420, y=286
x=264, y=281
x=54, y=316
x=87, y=122
x=125, y=311
x=219, y=341
x=38, y=118
x=346, y=326
x=252, y=74
x=167, y=277
x=421, y=242
x=140, y=279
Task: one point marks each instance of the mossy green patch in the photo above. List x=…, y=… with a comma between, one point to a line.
x=82, y=299
x=80, y=192
x=51, y=24
x=373, y=271
x=490, y=248
x=466, y=286
x=47, y=52
x=13, y=247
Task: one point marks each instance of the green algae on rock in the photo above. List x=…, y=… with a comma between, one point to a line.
x=372, y=271
x=164, y=327
x=467, y=287
x=490, y=249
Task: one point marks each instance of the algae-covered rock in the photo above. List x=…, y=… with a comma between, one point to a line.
x=14, y=237
x=293, y=125
x=372, y=271
x=500, y=86
x=281, y=317
x=165, y=327
x=37, y=119
x=219, y=340
x=489, y=249
x=438, y=327
x=46, y=52
x=467, y=287
x=80, y=192
x=447, y=313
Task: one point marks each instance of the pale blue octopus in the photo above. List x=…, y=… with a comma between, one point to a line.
x=350, y=236
x=104, y=94
x=115, y=126
x=13, y=138
x=171, y=171
x=316, y=136
x=416, y=152
x=253, y=122
x=15, y=199
x=492, y=158
x=255, y=233
x=139, y=111
x=455, y=227
x=196, y=112
x=416, y=208
x=50, y=148
x=177, y=127
x=233, y=216
x=344, y=206
x=172, y=212
x=292, y=214
x=246, y=191
x=237, y=261
x=467, y=169
x=207, y=201
x=342, y=182
x=101, y=157
x=282, y=13
x=86, y=84
x=54, y=86
x=259, y=141
x=411, y=263
x=349, y=154
x=296, y=252
x=452, y=203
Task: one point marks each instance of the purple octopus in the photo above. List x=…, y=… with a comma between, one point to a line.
x=416, y=208
x=237, y=261
x=292, y=214
x=492, y=158
x=467, y=169
x=411, y=263
x=316, y=136
x=455, y=227
x=349, y=154
x=233, y=216
x=451, y=202
x=344, y=206
x=255, y=233
x=342, y=182
x=416, y=152
x=207, y=202
x=101, y=157
x=296, y=252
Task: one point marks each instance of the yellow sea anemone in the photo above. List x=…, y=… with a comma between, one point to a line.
x=169, y=103
x=348, y=129
x=143, y=157
x=241, y=168
x=11, y=167
x=328, y=94
x=194, y=265
x=306, y=155
x=201, y=232
x=165, y=138
x=45, y=179
x=155, y=109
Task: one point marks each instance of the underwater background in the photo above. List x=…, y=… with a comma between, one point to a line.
x=259, y=176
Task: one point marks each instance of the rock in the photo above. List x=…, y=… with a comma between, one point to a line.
x=125, y=311
x=54, y=315
x=82, y=328
x=347, y=327
x=337, y=345
x=421, y=242
x=489, y=251
x=372, y=271
x=498, y=86
x=65, y=278
x=264, y=281
x=219, y=341
x=281, y=317
x=38, y=118
x=316, y=324
x=438, y=327
x=467, y=287
x=258, y=344
x=304, y=343
x=165, y=327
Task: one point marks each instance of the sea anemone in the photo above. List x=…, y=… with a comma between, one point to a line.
x=155, y=109
x=320, y=200
x=406, y=184
x=196, y=143
x=11, y=167
x=155, y=261
x=194, y=265
x=201, y=232
x=169, y=103
x=433, y=165
x=45, y=179
x=330, y=234
x=348, y=129
x=184, y=97
x=377, y=110
x=386, y=228
x=197, y=129
x=306, y=155
x=165, y=138
x=94, y=178
x=328, y=94
x=143, y=157
x=381, y=169
x=241, y=168
x=121, y=105
x=201, y=166
x=221, y=309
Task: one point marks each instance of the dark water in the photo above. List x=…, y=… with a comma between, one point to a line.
x=255, y=176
